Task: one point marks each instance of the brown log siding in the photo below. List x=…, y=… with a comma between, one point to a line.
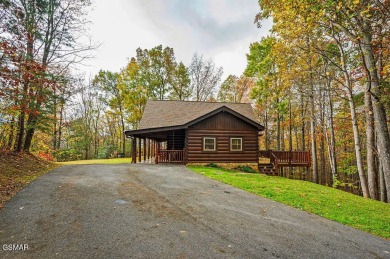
x=222, y=126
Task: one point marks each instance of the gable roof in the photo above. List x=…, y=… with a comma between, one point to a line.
x=170, y=115
x=159, y=114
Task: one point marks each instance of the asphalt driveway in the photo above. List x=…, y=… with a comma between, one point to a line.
x=164, y=211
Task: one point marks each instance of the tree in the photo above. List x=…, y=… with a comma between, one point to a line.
x=180, y=83
x=131, y=85
x=157, y=67
x=359, y=31
x=227, y=91
x=269, y=90
x=48, y=35
x=107, y=82
x=152, y=74
x=205, y=77
x=235, y=89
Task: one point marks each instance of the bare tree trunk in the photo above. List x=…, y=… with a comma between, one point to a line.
x=21, y=120
x=266, y=129
x=96, y=139
x=55, y=123
x=290, y=143
x=333, y=160
x=382, y=185
x=282, y=142
x=278, y=132
x=383, y=141
x=11, y=133
x=358, y=149
x=371, y=166
x=30, y=16
x=31, y=125
x=60, y=127
x=313, y=136
x=296, y=133
x=55, y=133
x=290, y=137
x=324, y=175
x=382, y=131
x=356, y=137
x=303, y=123
x=123, y=131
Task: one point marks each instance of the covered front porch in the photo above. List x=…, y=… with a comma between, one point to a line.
x=166, y=146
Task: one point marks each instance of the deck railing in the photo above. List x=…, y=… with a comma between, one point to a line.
x=292, y=157
x=171, y=156
x=286, y=158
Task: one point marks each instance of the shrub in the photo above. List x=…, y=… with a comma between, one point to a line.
x=213, y=165
x=105, y=152
x=46, y=156
x=64, y=155
x=246, y=169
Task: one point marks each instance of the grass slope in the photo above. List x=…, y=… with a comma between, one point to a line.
x=98, y=161
x=17, y=170
x=352, y=210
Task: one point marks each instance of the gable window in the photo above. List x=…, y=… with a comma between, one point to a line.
x=236, y=144
x=209, y=144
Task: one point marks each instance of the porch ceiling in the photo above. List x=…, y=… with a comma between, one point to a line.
x=159, y=134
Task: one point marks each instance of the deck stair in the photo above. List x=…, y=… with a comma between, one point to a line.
x=267, y=169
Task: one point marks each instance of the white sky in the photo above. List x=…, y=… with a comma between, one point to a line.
x=217, y=29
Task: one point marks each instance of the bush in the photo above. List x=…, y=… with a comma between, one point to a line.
x=46, y=156
x=105, y=152
x=64, y=155
x=213, y=165
x=245, y=169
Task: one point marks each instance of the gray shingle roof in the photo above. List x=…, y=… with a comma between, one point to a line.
x=175, y=113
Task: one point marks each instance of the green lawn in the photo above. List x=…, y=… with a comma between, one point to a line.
x=98, y=161
x=352, y=210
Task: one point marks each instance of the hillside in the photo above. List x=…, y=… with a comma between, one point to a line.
x=17, y=170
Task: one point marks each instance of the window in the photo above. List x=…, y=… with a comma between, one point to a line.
x=236, y=144
x=209, y=144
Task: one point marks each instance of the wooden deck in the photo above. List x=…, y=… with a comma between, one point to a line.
x=271, y=160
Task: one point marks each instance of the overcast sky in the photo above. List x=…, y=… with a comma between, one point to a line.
x=217, y=29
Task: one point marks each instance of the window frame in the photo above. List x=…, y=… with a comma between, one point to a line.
x=241, y=144
x=204, y=144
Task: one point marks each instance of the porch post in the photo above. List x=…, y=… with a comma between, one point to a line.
x=258, y=148
x=156, y=151
x=139, y=149
x=152, y=148
x=134, y=150
x=148, y=148
x=144, y=149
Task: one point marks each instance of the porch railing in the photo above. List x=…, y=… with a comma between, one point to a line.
x=170, y=156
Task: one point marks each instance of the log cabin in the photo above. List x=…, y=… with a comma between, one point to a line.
x=190, y=132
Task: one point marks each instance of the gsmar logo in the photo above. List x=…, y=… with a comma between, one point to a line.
x=15, y=247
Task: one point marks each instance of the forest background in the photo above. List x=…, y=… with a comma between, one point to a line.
x=318, y=82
